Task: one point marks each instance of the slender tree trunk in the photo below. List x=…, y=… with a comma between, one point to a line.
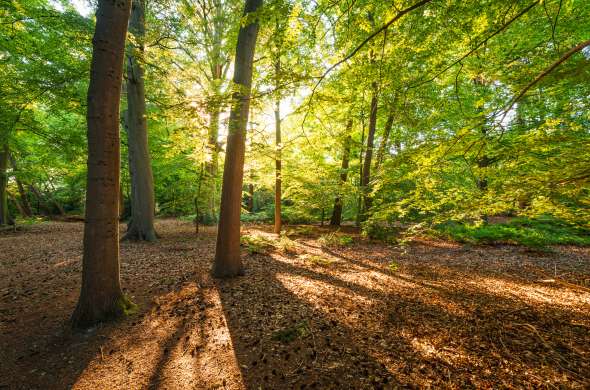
x=141, y=224
x=336, y=218
x=24, y=200
x=121, y=202
x=18, y=205
x=366, y=177
x=278, y=161
x=360, y=196
x=4, y=217
x=209, y=216
x=384, y=141
x=101, y=297
x=251, y=197
x=227, y=252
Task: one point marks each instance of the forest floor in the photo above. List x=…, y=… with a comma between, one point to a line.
x=306, y=315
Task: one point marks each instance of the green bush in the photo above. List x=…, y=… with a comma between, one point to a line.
x=532, y=232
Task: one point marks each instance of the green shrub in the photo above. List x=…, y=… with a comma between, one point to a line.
x=532, y=232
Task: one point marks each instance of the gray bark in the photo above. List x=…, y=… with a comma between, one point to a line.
x=141, y=224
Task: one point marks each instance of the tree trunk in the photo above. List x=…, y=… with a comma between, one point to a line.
x=18, y=205
x=278, y=161
x=384, y=141
x=360, y=195
x=4, y=217
x=101, y=297
x=121, y=202
x=366, y=178
x=24, y=200
x=227, y=252
x=141, y=224
x=209, y=215
x=251, y=197
x=336, y=218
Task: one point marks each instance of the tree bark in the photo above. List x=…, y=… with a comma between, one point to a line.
x=209, y=215
x=278, y=161
x=24, y=200
x=141, y=224
x=101, y=297
x=366, y=177
x=4, y=217
x=227, y=252
x=18, y=205
x=336, y=218
x=384, y=141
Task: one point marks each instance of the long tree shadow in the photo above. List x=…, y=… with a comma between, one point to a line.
x=296, y=325
x=293, y=323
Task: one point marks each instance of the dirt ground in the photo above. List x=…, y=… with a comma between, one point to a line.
x=364, y=315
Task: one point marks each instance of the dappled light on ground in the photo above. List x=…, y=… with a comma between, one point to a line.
x=307, y=313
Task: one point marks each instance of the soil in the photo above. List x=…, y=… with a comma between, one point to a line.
x=309, y=313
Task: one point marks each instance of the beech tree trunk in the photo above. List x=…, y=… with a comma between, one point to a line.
x=209, y=214
x=4, y=217
x=384, y=141
x=101, y=297
x=141, y=224
x=251, y=197
x=24, y=200
x=336, y=218
x=227, y=252
x=278, y=160
x=18, y=205
x=366, y=177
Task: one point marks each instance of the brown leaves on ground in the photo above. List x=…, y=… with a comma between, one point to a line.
x=306, y=315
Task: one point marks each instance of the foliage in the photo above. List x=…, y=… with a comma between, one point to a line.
x=459, y=147
x=533, y=232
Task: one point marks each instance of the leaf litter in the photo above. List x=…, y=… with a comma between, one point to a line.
x=309, y=313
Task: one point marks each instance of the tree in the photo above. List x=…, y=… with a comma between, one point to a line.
x=227, y=251
x=336, y=218
x=141, y=224
x=278, y=146
x=101, y=297
x=4, y=215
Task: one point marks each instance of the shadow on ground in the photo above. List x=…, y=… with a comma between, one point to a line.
x=441, y=316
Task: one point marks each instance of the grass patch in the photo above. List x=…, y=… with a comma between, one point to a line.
x=287, y=335
x=256, y=244
x=317, y=260
x=334, y=239
x=285, y=244
x=304, y=231
x=532, y=232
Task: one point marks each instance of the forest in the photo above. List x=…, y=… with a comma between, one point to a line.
x=294, y=194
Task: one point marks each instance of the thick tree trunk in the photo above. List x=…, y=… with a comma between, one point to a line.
x=101, y=297
x=4, y=217
x=384, y=141
x=366, y=177
x=24, y=199
x=278, y=168
x=141, y=224
x=336, y=218
x=227, y=252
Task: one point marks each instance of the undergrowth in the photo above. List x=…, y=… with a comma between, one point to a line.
x=532, y=232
